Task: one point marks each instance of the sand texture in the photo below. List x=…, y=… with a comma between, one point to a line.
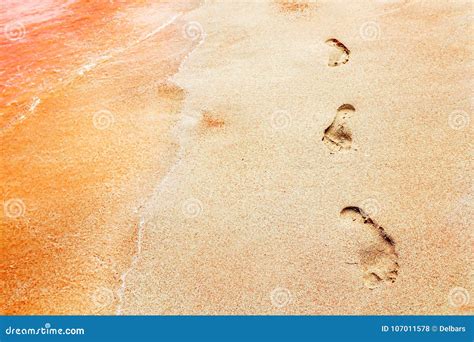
x=231, y=157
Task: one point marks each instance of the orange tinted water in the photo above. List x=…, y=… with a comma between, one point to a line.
x=79, y=186
x=44, y=42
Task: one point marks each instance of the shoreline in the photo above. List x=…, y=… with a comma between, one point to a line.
x=235, y=163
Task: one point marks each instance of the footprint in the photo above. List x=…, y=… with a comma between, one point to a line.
x=338, y=135
x=293, y=6
x=339, y=54
x=377, y=255
x=212, y=120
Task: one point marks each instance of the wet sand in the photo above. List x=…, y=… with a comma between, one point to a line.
x=188, y=172
x=79, y=166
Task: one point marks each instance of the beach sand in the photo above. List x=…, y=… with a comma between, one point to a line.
x=263, y=157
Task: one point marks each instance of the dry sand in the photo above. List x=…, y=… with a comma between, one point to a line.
x=213, y=191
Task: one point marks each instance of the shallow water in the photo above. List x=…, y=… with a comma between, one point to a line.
x=86, y=114
x=46, y=44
